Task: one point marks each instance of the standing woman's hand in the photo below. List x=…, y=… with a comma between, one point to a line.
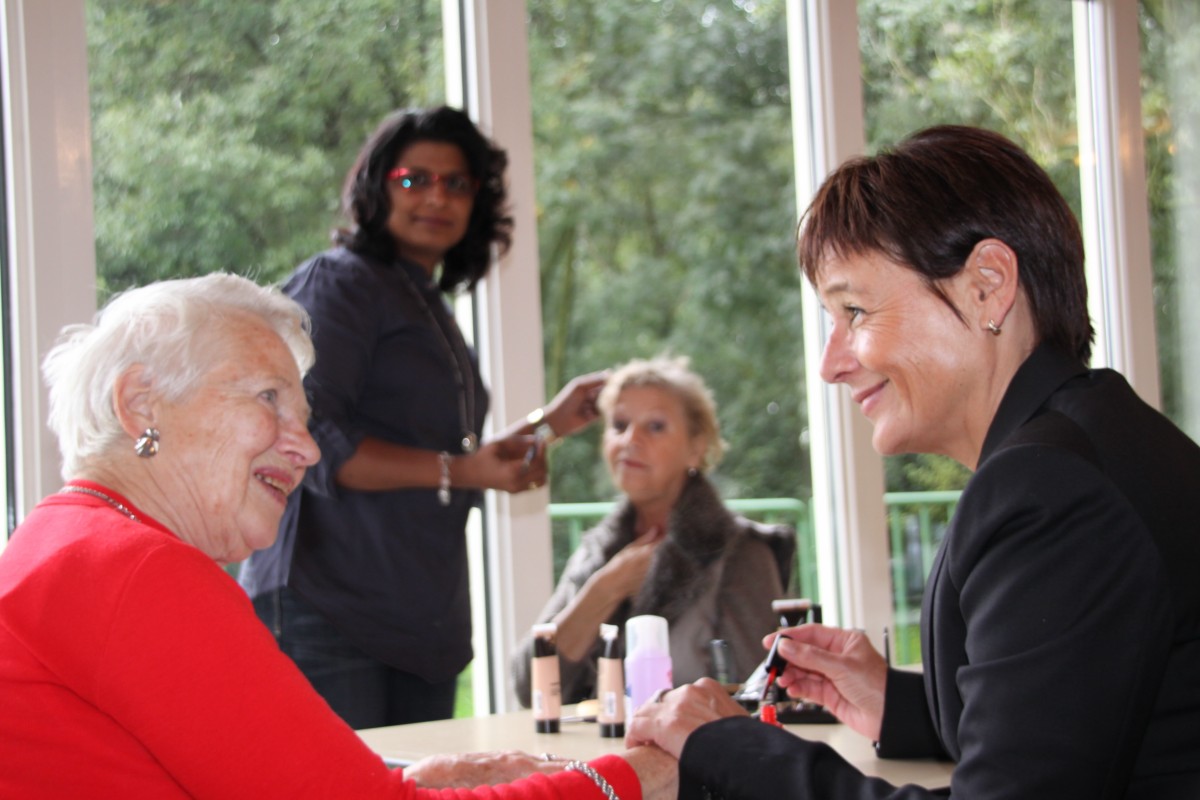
x=503, y=464
x=574, y=407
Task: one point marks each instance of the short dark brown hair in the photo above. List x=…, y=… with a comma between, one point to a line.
x=928, y=201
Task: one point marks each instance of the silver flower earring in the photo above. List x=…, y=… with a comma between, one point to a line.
x=147, y=444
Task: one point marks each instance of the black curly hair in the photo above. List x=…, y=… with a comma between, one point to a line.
x=365, y=196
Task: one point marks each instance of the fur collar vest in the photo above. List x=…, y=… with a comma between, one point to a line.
x=701, y=534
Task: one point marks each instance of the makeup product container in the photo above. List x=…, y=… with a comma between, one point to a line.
x=547, y=685
x=647, y=659
x=611, y=689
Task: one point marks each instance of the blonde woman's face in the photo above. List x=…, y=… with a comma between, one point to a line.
x=647, y=445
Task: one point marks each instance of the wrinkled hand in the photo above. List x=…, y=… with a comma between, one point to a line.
x=574, y=407
x=670, y=721
x=837, y=668
x=466, y=770
x=502, y=464
x=626, y=571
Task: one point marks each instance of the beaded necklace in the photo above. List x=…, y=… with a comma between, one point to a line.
x=97, y=493
x=460, y=364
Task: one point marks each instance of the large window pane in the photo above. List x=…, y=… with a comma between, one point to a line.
x=666, y=219
x=1171, y=115
x=1003, y=65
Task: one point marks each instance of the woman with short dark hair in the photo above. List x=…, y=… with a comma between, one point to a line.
x=1061, y=622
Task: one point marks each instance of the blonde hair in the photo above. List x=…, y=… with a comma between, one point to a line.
x=672, y=374
x=168, y=327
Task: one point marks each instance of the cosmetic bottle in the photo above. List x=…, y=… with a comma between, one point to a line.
x=647, y=659
x=794, y=611
x=547, y=686
x=718, y=649
x=611, y=691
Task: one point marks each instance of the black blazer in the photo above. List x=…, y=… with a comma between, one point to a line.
x=1060, y=625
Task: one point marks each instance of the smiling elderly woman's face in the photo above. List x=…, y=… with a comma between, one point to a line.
x=237, y=444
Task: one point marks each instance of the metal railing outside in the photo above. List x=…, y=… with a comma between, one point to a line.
x=570, y=520
x=917, y=522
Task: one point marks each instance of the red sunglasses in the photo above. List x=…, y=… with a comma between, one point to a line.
x=422, y=180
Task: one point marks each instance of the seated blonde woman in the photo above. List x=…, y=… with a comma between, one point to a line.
x=670, y=547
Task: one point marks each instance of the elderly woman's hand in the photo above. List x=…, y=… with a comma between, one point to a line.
x=669, y=721
x=837, y=668
x=463, y=771
x=626, y=571
x=574, y=407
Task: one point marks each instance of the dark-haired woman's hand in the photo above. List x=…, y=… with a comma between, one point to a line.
x=515, y=463
x=574, y=407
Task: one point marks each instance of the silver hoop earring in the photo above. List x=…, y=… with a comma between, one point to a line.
x=147, y=444
x=993, y=327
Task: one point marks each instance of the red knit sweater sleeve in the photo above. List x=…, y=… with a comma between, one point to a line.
x=567, y=785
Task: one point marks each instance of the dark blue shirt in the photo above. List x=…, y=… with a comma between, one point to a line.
x=388, y=568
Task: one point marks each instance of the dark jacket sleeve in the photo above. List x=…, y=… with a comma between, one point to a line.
x=742, y=757
x=908, y=730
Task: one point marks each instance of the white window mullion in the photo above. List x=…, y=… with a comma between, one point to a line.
x=519, y=553
x=1116, y=219
x=48, y=166
x=848, y=482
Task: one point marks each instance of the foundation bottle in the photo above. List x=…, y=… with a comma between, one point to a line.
x=610, y=690
x=547, y=686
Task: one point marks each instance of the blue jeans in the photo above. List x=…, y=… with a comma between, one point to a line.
x=366, y=693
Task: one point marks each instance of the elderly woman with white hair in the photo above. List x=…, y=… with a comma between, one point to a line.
x=131, y=664
x=671, y=547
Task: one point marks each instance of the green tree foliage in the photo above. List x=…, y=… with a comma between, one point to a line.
x=221, y=131
x=666, y=216
x=1171, y=120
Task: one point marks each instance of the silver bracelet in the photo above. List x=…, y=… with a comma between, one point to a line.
x=444, y=481
x=597, y=778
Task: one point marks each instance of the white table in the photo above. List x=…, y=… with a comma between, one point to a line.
x=403, y=744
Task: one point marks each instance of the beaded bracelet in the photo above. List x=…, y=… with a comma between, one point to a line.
x=443, y=493
x=597, y=778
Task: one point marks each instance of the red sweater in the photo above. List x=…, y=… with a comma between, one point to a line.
x=132, y=666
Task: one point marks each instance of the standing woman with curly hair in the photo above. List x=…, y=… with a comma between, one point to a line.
x=366, y=587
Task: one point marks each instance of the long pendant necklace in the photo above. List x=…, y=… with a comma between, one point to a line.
x=460, y=364
x=96, y=493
